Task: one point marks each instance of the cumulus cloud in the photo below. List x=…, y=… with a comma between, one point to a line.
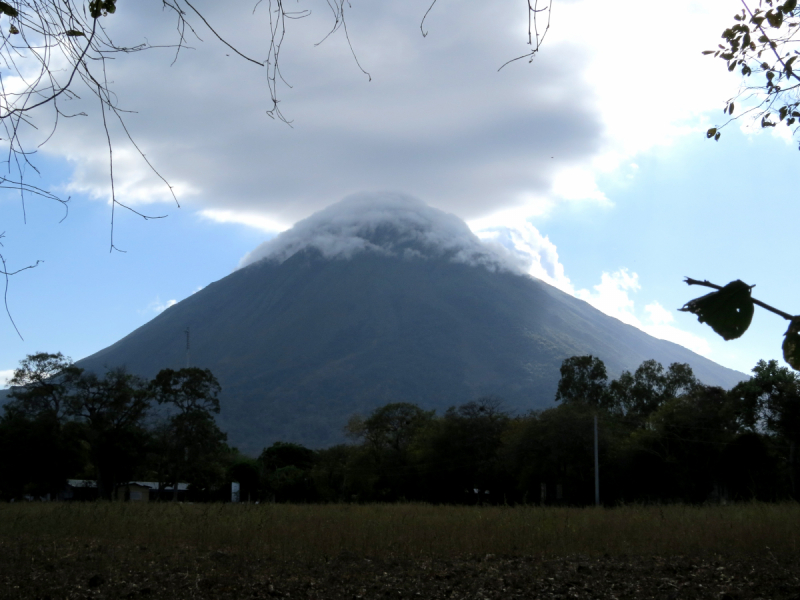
x=614, y=296
x=525, y=247
x=437, y=119
x=385, y=223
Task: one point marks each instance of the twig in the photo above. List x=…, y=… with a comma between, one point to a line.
x=219, y=37
x=6, y=274
x=425, y=16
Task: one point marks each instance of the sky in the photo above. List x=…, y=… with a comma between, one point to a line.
x=590, y=160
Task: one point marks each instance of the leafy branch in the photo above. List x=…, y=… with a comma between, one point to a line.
x=760, y=45
x=729, y=312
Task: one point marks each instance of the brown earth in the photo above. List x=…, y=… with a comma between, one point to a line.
x=57, y=570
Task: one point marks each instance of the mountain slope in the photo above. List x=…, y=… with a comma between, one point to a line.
x=301, y=345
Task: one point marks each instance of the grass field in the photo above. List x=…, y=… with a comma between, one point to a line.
x=413, y=531
x=365, y=552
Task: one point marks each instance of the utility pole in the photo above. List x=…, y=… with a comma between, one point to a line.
x=187, y=348
x=596, y=467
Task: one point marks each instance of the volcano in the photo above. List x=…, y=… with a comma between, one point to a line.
x=380, y=299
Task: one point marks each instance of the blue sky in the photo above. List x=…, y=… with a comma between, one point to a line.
x=593, y=156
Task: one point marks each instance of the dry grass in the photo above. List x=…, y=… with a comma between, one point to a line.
x=413, y=531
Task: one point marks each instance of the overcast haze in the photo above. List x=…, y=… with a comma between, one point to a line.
x=589, y=165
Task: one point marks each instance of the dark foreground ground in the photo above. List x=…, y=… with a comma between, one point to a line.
x=57, y=570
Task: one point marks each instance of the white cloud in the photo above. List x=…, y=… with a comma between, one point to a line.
x=5, y=376
x=157, y=306
x=524, y=246
x=578, y=184
x=413, y=128
x=385, y=223
x=649, y=87
x=251, y=219
x=658, y=315
x=614, y=296
x=437, y=120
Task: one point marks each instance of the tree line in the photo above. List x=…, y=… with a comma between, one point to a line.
x=63, y=422
x=663, y=436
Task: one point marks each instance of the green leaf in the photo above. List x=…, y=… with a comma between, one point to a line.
x=9, y=10
x=789, y=6
x=710, y=133
x=791, y=344
x=97, y=8
x=716, y=137
x=75, y=33
x=728, y=311
x=775, y=19
x=730, y=108
x=708, y=52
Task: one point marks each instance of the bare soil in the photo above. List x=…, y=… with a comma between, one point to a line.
x=57, y=570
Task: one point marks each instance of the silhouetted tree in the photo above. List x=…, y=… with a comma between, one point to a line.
x=113, y=409
x=42, y=384
x=245, y=471
x=458, y=454
x=37, y=454
x=333, y=479
x=686, y=437
x=287, y=472
x=770, y=401
x=638, y=395
x=383, y=469
x=555, y=447
x=583, y=380
x=193, y=442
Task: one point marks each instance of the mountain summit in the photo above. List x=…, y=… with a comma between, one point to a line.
x=380, y=299
x=391, y=225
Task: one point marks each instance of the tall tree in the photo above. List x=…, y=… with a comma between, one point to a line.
x=687, y=436
x=195, y=445
x=770, y=401
x=583, y=380
x=287, y=471
x=640, y=394
x=386, y=437
x=42, y=384
x=458, y=454
x=113, y=409
x=37, y=453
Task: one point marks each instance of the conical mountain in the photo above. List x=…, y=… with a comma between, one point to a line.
x=375, y=300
